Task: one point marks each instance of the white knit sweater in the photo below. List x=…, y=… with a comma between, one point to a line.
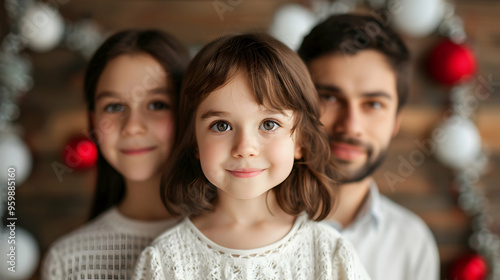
x=105, y=248
x=309, y=251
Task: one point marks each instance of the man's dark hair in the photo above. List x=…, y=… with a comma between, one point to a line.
x=349, y=34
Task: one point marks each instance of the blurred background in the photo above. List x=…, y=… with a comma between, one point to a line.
x=451, y=185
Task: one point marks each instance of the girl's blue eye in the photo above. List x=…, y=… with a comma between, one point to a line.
x=269, y=125
x=221, y=126
x=158, y=105
x=114, y=108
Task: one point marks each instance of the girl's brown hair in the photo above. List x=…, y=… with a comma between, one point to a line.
x=280, y=81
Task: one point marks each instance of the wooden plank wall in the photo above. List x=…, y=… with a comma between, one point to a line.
x=54, y=111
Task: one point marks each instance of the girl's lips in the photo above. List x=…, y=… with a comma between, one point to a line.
x=137, y=151
x=246, y=173
x=346, y=151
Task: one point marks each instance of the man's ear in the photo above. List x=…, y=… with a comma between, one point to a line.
x=397, y=124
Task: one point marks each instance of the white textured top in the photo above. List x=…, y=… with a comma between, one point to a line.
x=105, y=248
x=309, y=251
x=392, y=242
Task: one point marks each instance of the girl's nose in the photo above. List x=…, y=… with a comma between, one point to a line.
x=133, y=122
x=245, y=145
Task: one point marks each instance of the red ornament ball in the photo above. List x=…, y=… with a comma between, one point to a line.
x=470, y=267
x=450, y=63
x=80, y=153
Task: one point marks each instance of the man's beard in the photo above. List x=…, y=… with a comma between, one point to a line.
x=367, y=169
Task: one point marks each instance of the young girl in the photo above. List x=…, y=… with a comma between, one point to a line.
x=131, y=87
x=250, y=170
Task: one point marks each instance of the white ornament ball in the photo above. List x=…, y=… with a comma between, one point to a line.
x=417, y=18
x=291, y=23
x=14, y=154
x=25, y=257
x=460, y=144
x=42, y=27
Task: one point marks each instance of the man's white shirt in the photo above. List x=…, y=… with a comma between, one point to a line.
x=392, y=242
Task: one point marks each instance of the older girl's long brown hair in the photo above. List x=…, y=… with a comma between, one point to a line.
x=280, y=81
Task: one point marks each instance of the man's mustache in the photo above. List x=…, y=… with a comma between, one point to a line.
x=349, y=140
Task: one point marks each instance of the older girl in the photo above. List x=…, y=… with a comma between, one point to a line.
x=131, y=88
